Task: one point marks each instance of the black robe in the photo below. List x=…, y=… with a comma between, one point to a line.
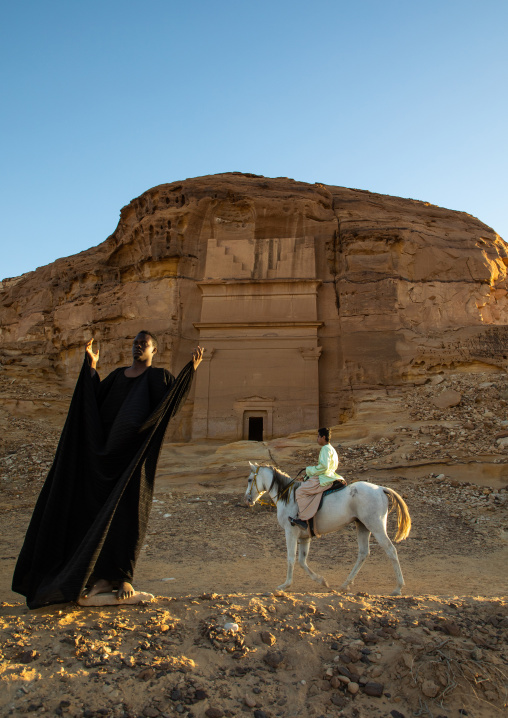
x=92, y=512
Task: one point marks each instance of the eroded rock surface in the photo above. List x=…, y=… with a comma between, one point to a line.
x=303, y=295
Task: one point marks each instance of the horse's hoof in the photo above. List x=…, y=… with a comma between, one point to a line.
x=324, y=583
x=283, y=587
x=397, y=592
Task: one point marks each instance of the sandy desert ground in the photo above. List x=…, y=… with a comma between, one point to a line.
x=438, y=650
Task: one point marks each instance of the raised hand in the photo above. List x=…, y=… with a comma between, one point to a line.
x=93, y=357
x=197, y=356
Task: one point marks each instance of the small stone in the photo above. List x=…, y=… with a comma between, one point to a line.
x=200, y=695
x=344, y=680
x=354, y=655
x=376, y=671
x=29, y=656
x=175, y=694
x=370, y=638
x=397, y=714
x=477, y=654
x=447, y=399
x=451, y=628
x=344, y=672
x=338, y=700
x=353, y=688
x=150, y=712
x=233, y=627
x=336, y=682
x=273, y=659
x=325, y=685
x=146, y=674
x=214, y=713
x=249, y=701
x=374, y=689
x=429, y=689
x=267, y=638
x=260, y=714
x=408, y=659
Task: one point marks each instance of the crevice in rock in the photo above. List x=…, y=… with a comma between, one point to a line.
x=337, y=257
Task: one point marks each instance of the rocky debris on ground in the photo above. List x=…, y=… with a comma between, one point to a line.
x=467, y=428
x=369, y=654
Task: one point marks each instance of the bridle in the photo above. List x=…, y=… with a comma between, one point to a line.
x=255, y=484
x=274, y=501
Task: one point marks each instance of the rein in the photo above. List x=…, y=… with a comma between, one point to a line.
x=282, y=494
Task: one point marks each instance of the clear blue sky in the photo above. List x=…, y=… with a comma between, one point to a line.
x=103, y=100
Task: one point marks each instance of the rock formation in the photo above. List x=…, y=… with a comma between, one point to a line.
x=303, y=295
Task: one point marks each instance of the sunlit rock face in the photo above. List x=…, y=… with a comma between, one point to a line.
x=302, y=295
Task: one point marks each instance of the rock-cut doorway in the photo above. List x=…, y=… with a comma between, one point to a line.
x=255, y=428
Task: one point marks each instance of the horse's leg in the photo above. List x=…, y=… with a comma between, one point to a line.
x=291, y=541
x=303, y=552
x=363, y=536
x=382, y=538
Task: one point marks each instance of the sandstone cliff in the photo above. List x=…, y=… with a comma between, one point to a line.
x=303, y=295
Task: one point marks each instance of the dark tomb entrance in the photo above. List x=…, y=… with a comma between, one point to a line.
x=255, y=428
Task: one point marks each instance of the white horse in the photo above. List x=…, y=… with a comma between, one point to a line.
x=366, y=504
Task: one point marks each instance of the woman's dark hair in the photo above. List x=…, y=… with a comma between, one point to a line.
x=326, y=433
x=152, y=336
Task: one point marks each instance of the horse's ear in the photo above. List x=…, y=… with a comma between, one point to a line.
x=252, y=465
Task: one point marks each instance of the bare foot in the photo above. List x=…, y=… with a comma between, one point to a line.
x=100, y=586
x=125, y=590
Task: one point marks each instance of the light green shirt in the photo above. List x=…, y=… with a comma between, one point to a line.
x=327, y=465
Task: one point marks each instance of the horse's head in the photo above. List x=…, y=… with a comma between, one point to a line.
x=255, y=488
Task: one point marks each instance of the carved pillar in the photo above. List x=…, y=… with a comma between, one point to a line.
x=310, y=408
x=202, y=397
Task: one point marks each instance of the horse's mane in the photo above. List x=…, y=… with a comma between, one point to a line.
x=281, y=481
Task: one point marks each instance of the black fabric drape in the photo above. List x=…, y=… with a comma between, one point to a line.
x=93, y=509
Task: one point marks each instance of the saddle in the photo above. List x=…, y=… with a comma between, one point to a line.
x=336, y=486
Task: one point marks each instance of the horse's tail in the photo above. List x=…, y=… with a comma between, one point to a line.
x=403, y=517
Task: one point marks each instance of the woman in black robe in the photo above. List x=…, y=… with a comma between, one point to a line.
x=90, y=520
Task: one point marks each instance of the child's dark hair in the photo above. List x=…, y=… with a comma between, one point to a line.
x=324, y=432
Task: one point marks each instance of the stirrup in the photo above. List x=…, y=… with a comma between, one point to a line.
x=299, y=522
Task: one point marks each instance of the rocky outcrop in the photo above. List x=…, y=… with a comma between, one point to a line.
x=302, y=294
